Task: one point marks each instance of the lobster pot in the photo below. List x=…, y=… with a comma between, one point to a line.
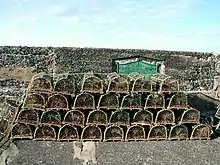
x=143, y=117
x=34, y=100
x=45, y=133
x=201, y=132
x=178, y=132
x=178, y=101
x=27, y=116
x=74, y=117
x=92, y=84
x=140, y=84
x=91, y=133
x=51, y=117
x=8, y=112
x=113, y=133
x=157, y=80
x=41, y=83
x=154, y=101
x=108, y=101
x=190, y=116
x=135, y=133
x=117, y=84
x=120, y=117
x=21, y=131
x=169, y=85
x=84, y=101
x=97, y=117
x=131, y=101
x=65, y=86
x=57, y=101
x=68, y=133
x=157, y=133
x=165, y=116
x=4, y=126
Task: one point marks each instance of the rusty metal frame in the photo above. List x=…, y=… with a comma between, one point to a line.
x=135, y=139
x=29, y=136
x=131, y=96
x=164, y=123
x=95, y=139
x=154, y=96
x=108, y=106
x=178, y=133
x=114, y=114
x=113, y=139
x=93, y=123
x=83, y=107
x=21, y=114
x=66, y=82
x=134, y=121
x=48, y=106
x=170, y=106
x=42, y=138
x=183, y=121
x=36, y=106
x=74, y=123
x=199, y=137
x=159, y=138
x=68, y=139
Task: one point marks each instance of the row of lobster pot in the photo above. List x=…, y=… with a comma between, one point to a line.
x=110, y=133
x=106, y=101
x=114, y=82
x=98, y=117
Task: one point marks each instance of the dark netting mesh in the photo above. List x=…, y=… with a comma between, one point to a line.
x=117, y=84
x=21, y=131
x=97, y=117
x=179, y=101
x=165, y=117
x=92, y=84
x=108, y=101
x=45, y=133
x=201, y=132
x=68, y=133
x=40, y=84
x=57, y=101
x=51, y=117
x=143, y=117
x=190, y=116
x=84, y=101
x=74, y=117
x=4, y=125
x=113, y=133
x=155, y=101
x=135, y=133
x=65, y=86
x=178, y=132
x=28, y=116
x=34, y=100
x=157, y=133
x=120, y=117
x=131, y=101
x=169, y=85
x=92, y=133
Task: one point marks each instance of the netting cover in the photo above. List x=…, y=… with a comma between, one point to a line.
x=57, y=101
x=120, y=117
x=143, y=117
x=157, y=133
x=97, y=117
x=190, y=116
x=178, y=101
x=45, y=133
x=84, y=101
x=21, y=131
x=92, y=133
x=92, y=84
x=4, y=125
x=117, y=84
x=28, y=116
x=178, y=132
x=40, y=84
x=135, y=133
x=51, y=117
x=68, y=133
x=131, y=101
x=201, y=132
x=108, y=101
x=139, y=83
x=65, y=86
x=113, y=133
x=169, y=85
x=8, y=112
x=165, y=116
x=74, y=117
x=155, y=101
x=34, y=100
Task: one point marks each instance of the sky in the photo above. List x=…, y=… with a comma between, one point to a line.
x=181, y=25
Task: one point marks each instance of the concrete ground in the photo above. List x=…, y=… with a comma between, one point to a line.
x=108, y=153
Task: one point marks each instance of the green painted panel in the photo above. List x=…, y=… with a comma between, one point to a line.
x=139, y=67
